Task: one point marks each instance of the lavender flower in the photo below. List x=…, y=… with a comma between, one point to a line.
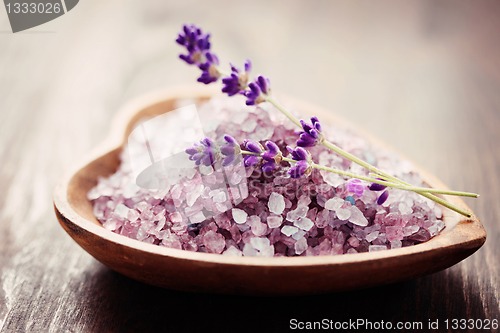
x=197, y=45
x=355, y=186
x=209, y=69
x=311, y=133
x=383, y=197
x=257, y=91
x=195, y=42
x=229, y=150
x=303, y=165
x=253, y=147
x=272, y=156
x=203, y=152
x=377, y=187
x=237, y=82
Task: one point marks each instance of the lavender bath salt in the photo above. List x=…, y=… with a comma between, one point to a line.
x=240, y=207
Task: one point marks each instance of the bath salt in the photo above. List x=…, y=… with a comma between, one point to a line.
x=238, y=211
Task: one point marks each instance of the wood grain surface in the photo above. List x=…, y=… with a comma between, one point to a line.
x=422, y=75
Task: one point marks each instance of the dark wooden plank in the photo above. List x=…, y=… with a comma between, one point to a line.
x=424, y=76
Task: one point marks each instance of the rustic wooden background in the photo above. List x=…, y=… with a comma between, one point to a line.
x=422, y=75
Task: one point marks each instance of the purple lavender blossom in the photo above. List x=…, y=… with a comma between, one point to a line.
x=209, y=69
x=377, y=187
x=253, y=147
x=355, y=186
x=203, y=152
x=237, y=82
x=230, y=150
x=383, y=197
x=257, y=90
x=311, y=133
x=272, y=156
x=197, y=45
x=303, y=165
x=195, y=42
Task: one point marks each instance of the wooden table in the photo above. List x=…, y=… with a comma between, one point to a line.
x=422, y=75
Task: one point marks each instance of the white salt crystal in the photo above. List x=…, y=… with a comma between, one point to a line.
x=267, y=251
x=122, y=211
x=357, y=217
x=197, y=218
x=372, y=236
x=334, y=203
x=239, y=216
x=276, y=203
x=288, y=230
x=304, y=224
x=260, y=243
x=300, y=245
x=405, y=209
x=343, y=214
x=220, y=197
x=248, y=250
x=296, y=214
x=373, y=248
x=235, y=178
x=221, y=207
x=396, y=244
x=232, y=251
x=299, y=234
x=194, y=194
x=274, y=221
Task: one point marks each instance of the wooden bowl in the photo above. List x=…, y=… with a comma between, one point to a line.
x=192, y=271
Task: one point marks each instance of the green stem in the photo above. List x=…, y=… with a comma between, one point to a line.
x=368, y=166
x=375, y=180
x=284, y=111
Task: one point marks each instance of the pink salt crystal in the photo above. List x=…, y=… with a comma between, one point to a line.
x=304, y=200
x=239, y=216
x=394, y=233
x=276, y=203
x=175, y=217
x=214, y=242
x=274, y=221
x=353, y=241
x=223, y=221
x=300, y=246
x=235, y=233
x=325, y=247
x=322, y=218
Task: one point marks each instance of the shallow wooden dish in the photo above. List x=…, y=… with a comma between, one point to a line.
x=191, y=271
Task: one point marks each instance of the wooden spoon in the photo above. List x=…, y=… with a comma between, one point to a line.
x=193, y=271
